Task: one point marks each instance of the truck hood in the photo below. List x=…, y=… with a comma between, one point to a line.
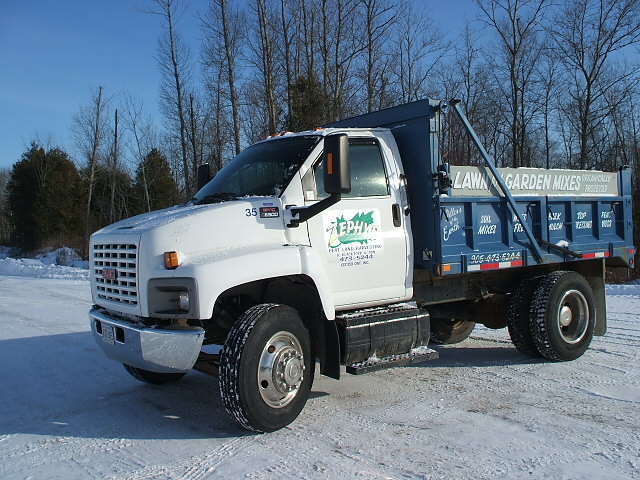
x=151, y=220
x=201, y=232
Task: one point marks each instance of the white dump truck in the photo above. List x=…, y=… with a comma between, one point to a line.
x=355, y=245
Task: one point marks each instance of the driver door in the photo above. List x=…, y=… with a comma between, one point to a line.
x=362, y=239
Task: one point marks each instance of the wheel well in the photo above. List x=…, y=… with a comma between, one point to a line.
x=296, y=291
x=483, y=298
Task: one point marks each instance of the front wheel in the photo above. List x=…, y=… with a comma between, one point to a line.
x=446, y=331
x=266, y=368
x=562, y=316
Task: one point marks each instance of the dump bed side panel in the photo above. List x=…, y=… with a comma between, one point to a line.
x=479, y=233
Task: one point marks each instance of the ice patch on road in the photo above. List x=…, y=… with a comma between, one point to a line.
x=624, y=393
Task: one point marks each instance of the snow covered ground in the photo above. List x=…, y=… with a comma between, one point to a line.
x=482, y=411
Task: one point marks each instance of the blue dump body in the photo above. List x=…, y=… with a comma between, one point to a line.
x=573, y=215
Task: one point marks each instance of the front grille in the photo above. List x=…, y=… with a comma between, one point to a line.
x=114, y=268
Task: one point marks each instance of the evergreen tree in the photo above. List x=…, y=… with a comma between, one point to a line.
x=105, y=180
x=154, y=187
x=44, y=193
x=5, y=226
x=309, y=106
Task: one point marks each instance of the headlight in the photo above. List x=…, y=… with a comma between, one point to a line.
x=183, y=301
x=173, y=298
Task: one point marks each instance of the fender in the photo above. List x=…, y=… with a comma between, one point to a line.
x=216, y=274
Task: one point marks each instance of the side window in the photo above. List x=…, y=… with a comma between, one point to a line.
x=368, y=178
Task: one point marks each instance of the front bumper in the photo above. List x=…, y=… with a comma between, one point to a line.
x=153, y=349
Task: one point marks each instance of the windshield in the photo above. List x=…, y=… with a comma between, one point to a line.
x=263, y=169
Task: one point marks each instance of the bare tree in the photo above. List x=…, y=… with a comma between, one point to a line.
x=264, y=51
x=114, y=165
x=90, y=130
x=419, y=48
x=587, y=35
x=219, y=134
x=548, y=72
x=473, y=88
x=173, y=59
x=634, y=147
x=289, y=35
x=199, y=117
x=341, y=44
x=308, y=35
x=143, y=139
x=223, y=40
x=218, y=137
x=517, y=23
x=379, y=19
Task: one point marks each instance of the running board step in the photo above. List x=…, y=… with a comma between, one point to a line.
x=388, y=334
x=418, y=355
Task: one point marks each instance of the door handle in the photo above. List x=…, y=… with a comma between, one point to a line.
x=395, y=211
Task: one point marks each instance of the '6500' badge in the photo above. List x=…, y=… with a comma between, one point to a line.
x=109, y=273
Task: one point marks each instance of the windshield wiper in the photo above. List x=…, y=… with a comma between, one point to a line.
x=215, y=198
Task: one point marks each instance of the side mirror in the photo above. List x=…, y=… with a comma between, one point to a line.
x=204, y=175
x=337, y=178
x=337, y=173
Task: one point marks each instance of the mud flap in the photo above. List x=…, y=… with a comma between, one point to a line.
x=330, y=358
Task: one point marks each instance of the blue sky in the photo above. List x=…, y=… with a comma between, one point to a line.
x=55, y=53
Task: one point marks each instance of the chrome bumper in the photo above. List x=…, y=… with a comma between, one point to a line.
x=152, y=349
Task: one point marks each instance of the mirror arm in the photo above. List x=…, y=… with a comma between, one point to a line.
x=305, y=213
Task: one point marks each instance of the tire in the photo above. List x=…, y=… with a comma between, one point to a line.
x=445, y=331
x=562, y=316
x=518, y=323
x=153, y=378
x=266, y=368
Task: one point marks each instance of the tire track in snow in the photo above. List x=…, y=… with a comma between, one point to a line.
x=192, y=468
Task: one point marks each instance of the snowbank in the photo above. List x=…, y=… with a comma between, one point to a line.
x=6, y=252
x=64, y=256
x=631, y=288
x=61, y=263
x=25, y=267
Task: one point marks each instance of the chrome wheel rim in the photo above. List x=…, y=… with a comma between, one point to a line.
x=573, y=316
x=281, y=369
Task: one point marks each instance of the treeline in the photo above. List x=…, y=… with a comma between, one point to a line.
x=545, y=84
x=44, y=194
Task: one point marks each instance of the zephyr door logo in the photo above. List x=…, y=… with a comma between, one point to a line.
x=109, y=273
x=361, y=228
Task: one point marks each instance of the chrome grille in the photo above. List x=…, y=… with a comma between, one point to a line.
x=114, y=268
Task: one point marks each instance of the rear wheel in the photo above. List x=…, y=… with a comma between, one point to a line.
x=153, y=378
x=518, y=324
x=266, y=368
x=450, y=330
x=562, y=316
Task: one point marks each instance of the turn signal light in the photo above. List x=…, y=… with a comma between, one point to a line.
x=171, y=260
